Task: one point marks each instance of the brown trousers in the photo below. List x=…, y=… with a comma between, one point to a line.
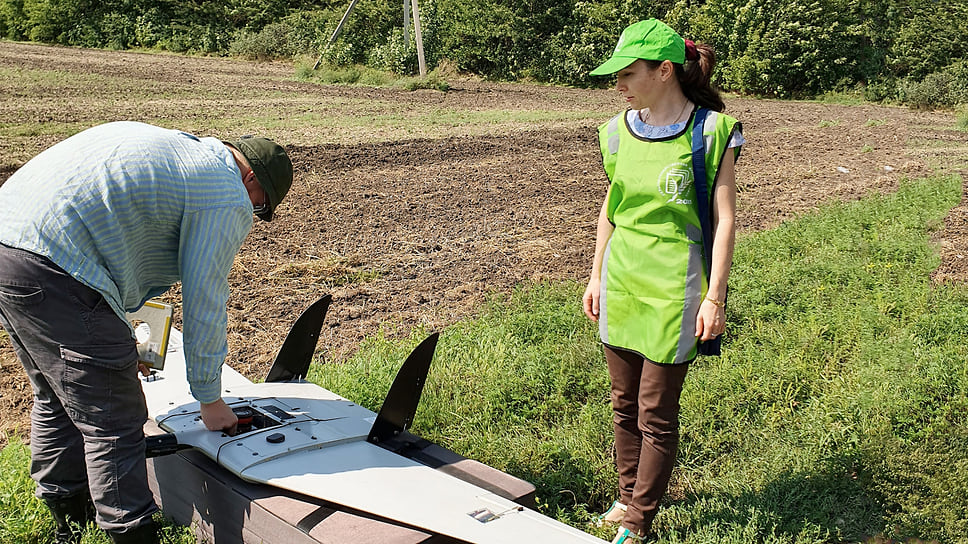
x=645, y=404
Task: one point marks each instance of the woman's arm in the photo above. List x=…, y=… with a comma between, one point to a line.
x=590, y=300
x=711, y=321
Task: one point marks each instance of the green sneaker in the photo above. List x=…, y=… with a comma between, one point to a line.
x=626, y=536
x=613, y=516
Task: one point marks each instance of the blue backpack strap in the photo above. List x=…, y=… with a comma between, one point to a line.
x=714, y=346
x=702, y=191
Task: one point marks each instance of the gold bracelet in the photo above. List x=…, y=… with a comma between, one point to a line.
x=718, y=303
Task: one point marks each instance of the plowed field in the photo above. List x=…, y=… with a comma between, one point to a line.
x=411, y=207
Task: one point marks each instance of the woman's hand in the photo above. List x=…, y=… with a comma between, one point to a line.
x=589, y=300
x=711, y=321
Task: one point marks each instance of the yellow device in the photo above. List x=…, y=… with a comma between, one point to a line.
x=153, y=346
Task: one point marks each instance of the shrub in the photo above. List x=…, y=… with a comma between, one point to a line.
x=587, y=39
x=946, y=88
x=12, y=19
x=882, y=89
x=394, y=55
x=931, y=37
x=962, y=123
x=479, y=36
x=117, y=31
x=367, y=27
x=795, y=48
x=272, y=42
x=152, y=28
x=307, y=31
x=782, y=48
x=196, y=39
x=546, y=38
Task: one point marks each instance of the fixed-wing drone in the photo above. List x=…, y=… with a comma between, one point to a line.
x=300, y=437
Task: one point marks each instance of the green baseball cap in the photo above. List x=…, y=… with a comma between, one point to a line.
x=272, y=167
x=650, y=40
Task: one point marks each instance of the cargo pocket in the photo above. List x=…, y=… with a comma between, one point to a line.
x=102, y=386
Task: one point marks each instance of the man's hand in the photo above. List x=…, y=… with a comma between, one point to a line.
x=217, y=416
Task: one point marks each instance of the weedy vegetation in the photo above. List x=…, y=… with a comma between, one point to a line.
x=838, y=411
x=24, y=519
x=962, y=116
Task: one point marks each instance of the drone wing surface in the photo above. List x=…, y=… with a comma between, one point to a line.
x=304, y=438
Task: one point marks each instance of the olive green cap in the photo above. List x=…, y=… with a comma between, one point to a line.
x=650, y=40
x=272, y=167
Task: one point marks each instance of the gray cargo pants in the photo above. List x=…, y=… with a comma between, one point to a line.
x=86, y=432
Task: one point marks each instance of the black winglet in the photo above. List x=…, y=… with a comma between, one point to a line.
x=292, y=362
x=400, y=405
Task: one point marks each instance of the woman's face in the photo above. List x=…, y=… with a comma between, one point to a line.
x=640, y=84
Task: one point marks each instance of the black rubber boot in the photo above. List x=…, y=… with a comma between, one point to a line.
x=145, y=534
x=71, y=515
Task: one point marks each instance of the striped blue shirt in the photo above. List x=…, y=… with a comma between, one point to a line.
x=130, y=209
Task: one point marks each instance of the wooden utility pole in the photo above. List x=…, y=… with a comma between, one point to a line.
x=416, y=34
x=336, y=32
x=406, y=36
x=406, y=24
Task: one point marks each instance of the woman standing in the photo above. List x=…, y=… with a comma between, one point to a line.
x=649, y=290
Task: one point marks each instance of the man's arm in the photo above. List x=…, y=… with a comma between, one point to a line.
x=210, y=240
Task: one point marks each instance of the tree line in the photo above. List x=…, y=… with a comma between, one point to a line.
x=911, y=51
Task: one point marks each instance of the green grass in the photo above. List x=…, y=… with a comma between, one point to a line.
x=844, y=363
x=838, y=411
x=366, y=76
x=962, y=122
x=842, y=98
x=522, y=388
x=24, y=519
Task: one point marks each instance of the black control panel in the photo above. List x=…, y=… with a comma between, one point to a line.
x=253, y=418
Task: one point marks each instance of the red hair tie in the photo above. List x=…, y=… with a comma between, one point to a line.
x=691, y=52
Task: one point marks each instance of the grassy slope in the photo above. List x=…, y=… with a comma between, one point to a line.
x=836, y=413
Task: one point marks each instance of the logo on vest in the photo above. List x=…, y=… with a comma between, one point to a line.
x=674, y=181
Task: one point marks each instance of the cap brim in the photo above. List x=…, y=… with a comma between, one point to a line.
x=613, y=65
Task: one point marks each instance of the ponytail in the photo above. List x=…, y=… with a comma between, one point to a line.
x=695, y=77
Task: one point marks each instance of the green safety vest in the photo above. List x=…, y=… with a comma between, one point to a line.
x=653, y=278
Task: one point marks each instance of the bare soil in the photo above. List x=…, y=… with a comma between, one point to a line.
x=407, y=230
